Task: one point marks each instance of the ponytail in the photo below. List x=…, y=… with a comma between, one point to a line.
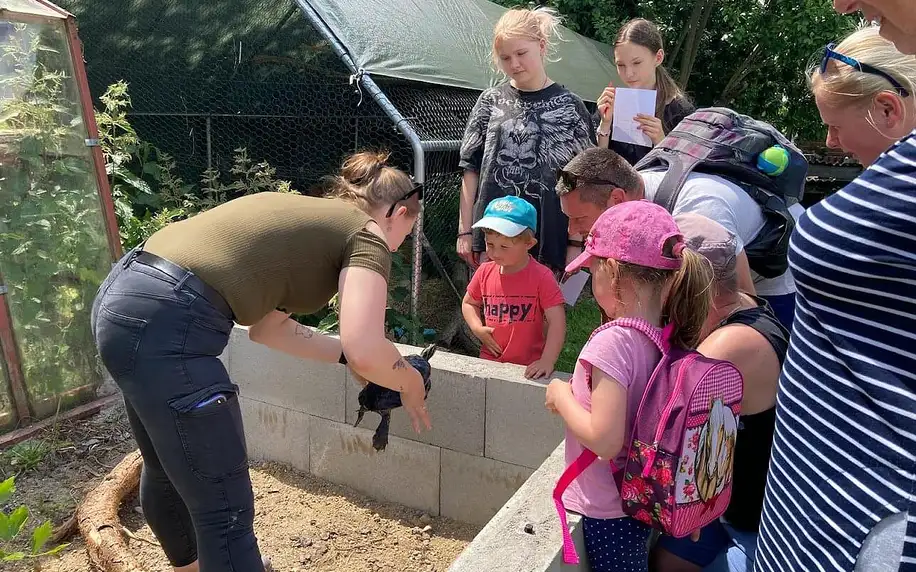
x=689, y=298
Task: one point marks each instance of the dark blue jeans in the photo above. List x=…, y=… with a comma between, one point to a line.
x=160, y=340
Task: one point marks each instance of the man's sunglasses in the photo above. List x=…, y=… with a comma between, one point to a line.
x=830, y=54
x=416, y=190
x=571, y=181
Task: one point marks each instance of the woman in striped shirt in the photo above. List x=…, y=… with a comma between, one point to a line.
x=840, y=490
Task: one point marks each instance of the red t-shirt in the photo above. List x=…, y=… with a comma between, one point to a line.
x=514, y=305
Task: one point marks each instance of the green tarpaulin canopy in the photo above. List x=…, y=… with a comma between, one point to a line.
x=447, y=42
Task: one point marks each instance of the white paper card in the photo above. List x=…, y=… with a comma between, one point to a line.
x=573, y=286
x=628, y=103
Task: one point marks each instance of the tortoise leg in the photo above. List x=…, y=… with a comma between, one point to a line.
x=380, y=439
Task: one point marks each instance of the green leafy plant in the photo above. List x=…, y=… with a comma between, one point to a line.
x=11, y=526
x=52, y=231
x=28, y=454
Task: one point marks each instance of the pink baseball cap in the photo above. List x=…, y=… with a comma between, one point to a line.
x=634, y=232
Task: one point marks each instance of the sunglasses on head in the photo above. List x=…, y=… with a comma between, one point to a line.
x=416, y=190
x=831, y=54
x=572, y=181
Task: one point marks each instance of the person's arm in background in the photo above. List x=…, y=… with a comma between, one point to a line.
x=471, y=160
x=469, y=184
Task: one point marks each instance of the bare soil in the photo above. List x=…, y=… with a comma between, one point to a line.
x=302, y=523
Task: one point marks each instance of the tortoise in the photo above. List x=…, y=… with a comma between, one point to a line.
x=382, y=400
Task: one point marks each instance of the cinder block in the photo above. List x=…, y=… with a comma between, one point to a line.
x=520, y=430
x=474, y=488
x=274, y=377
x=456, y=405
x=406, y=472
x=276, y=433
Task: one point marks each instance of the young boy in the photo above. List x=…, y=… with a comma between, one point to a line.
x=516, y=293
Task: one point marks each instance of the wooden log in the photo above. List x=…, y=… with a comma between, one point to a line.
x=98, y=521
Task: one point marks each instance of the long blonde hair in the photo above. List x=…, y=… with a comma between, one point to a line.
x=689, y=295
x=645, y=33
x=541, y=24
x=845, y=85
x=367, y=181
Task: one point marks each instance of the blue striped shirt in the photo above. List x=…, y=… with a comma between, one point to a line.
x=844, y=453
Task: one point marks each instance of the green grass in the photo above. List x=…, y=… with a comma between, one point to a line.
x=581, y=321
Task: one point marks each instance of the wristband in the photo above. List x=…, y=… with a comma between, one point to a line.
x=601, y=133
x=576, y=243
x=460, y=234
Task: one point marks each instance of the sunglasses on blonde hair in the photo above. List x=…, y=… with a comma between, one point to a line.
x=831, y=54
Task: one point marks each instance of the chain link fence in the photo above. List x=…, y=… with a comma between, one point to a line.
x=206, y=80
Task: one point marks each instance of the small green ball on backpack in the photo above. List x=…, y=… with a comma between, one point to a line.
x=773, y=161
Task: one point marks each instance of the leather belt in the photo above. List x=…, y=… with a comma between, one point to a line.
x=193, y=281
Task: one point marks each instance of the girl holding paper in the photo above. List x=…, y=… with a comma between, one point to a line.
x=639, y=53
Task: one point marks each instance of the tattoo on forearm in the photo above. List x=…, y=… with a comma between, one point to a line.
x=400, y=364
x=304, y=332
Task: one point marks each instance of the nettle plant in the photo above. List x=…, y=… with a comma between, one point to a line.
x=12, y=525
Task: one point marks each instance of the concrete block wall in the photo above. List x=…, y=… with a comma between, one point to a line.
x=525, y=535
x=490, y=429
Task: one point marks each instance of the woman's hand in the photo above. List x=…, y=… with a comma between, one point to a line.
x=556, y=391
x=413, y=398
x=652, y=127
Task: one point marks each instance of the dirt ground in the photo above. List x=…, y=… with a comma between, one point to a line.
x=302, y=523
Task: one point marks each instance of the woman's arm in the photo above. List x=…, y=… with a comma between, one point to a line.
x=278, y=331
x=602, y=430
x=363, y=300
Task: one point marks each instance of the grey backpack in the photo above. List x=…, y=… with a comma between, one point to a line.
x=720, y=141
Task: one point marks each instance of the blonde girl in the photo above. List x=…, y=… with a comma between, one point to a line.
x=640, y=269
x=639, y=52
x=518, y=135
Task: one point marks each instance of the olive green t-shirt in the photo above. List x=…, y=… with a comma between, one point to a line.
x=273, y=250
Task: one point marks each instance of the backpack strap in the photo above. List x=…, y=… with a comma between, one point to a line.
x=569, y=475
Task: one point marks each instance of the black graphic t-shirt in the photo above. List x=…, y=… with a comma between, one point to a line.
x=516, y=140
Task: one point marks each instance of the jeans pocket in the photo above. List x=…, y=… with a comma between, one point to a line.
x=118, y=340
x=211, y=432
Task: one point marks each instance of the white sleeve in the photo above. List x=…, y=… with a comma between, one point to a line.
x=713, y=206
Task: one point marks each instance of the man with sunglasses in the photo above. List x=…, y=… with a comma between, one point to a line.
x=599, y=178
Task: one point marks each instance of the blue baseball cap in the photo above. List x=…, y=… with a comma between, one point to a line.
x=509, y=216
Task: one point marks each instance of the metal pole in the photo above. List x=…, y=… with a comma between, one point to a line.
x=403, y=125
x=209, y=146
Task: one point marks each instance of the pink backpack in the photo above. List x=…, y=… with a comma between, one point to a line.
x=678, y=473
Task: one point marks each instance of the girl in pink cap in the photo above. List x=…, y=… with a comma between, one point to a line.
x=641, y=270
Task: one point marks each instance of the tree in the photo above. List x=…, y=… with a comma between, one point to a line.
x=750, y=55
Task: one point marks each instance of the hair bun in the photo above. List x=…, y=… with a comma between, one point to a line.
x=361, y=168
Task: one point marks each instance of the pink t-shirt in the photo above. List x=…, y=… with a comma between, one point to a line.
x=514, y=305
x=627, y=355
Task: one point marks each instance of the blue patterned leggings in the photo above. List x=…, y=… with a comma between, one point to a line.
x=616, y=544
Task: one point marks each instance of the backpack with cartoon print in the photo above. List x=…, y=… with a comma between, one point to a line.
x=677, y=477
